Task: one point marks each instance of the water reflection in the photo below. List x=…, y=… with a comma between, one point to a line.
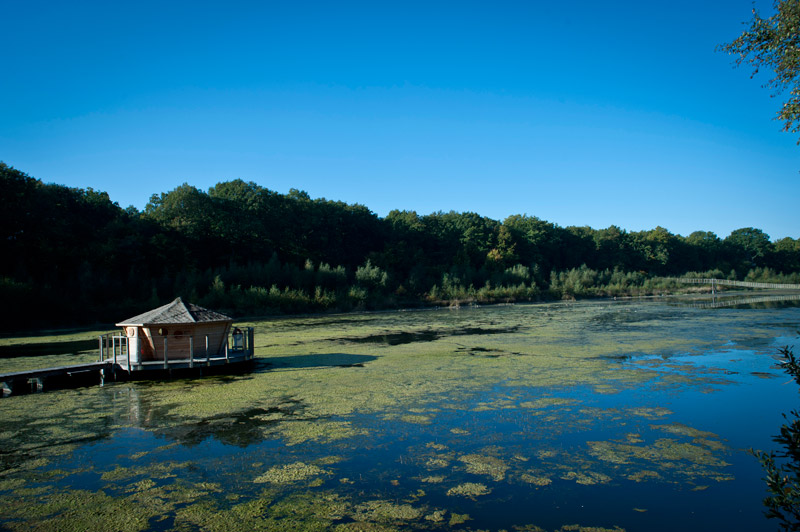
x=239, y=429
x=424, y=335
x=752, y=301
x=136, y=404
x=607, y=414
x=324, y=360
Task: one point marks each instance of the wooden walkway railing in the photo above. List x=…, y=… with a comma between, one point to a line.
x=741, y=284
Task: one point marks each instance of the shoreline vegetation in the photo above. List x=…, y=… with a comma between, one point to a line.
x=420, y=306
x=74, y=258
x=571, y=285
x=413, y=306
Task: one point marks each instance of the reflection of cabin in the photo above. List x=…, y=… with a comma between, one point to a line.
x=177, y=335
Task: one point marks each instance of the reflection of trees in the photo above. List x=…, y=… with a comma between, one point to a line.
x=130, y=405
x=53, y=424
x=241, y=429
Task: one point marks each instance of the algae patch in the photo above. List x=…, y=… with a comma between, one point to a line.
x=386, y=512
x=469, y=489
x=289, y=473
x=485, y=465
x=536, y=480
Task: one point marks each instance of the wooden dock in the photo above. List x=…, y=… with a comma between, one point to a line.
x=230, y=357
x=124, y=352
x=117, y=362
x=93, y=373
x=37, y=380
x=176, y=337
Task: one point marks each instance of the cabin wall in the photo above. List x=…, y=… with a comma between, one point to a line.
x=140, y=347
x=178, y=340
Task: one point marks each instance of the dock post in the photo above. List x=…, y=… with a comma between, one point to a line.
x=12, y=386
x=166, y=364
x=101, y=347
x=191, y=350
x=37, y=384
x=208, y=360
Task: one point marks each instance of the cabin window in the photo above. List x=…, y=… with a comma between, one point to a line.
x=163, y=331
x=130, y=331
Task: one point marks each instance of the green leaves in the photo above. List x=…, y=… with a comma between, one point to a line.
x=774, y=43
x=782, y=468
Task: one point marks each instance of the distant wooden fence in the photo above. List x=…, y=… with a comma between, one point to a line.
x=741, y=284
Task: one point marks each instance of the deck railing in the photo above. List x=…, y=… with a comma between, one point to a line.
x=237, y=346
x=114, y=346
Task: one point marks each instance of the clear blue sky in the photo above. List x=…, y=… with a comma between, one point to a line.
x=580, y=113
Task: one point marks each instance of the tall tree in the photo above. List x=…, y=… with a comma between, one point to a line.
x=787, y=255
x=750, y=246
x=773, y=43
x=706, y=249
x=540, y=242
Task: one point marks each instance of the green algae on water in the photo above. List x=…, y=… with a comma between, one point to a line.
x=536, y=480
x=485, y=465
x=469, y=489
x=540, y=381
x=290, y=473
x=386, y=512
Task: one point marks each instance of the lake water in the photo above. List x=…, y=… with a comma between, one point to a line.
x=599, y=415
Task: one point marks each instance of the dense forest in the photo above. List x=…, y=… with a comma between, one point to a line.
x=71, y=256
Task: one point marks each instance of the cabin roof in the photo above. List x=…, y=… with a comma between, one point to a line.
x=174, y=313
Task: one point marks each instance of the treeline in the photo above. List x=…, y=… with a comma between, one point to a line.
x=72, y=256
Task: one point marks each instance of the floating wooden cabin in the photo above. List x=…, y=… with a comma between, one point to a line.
x=177, y=335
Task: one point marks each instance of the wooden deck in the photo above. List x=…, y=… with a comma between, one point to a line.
x=34, y=380
x=117, y=349
x=39, y=380
x=231, y=357
x=116, y=364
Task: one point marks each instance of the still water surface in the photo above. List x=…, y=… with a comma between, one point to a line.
x=601, y=415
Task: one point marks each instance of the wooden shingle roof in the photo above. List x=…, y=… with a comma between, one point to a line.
x=176, y=312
